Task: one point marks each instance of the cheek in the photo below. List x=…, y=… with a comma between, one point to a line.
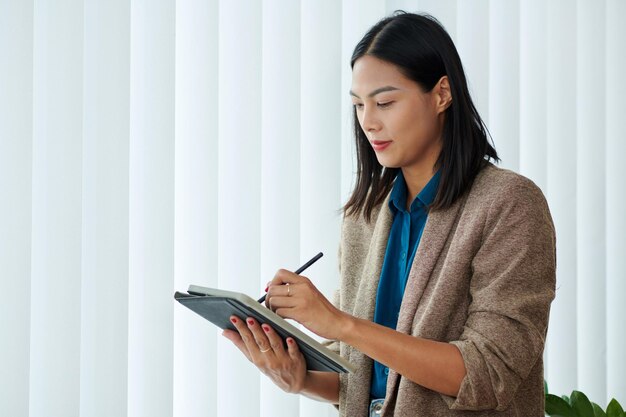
x=422, y=123
x=411, y=124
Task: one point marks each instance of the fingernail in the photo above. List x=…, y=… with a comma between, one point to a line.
x=250, y=322
x=290, y=341
x=234, y=320
x=267, y=288
x=266, y=328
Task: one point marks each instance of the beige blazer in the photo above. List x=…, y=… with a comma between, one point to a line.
x=483, y=278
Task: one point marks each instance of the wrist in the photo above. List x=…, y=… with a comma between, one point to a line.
x=346, y=326
x=321, y=386
x=305, y=386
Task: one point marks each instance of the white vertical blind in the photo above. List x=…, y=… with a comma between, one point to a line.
x=195, y=205
x=590, y=196
x=16, y=157
x=146, y=146
x=561, y=190
x=55, y=317
x=280, y=163
x=504, y=70
x=473, y=45
x=533, y=85
x=151, y=209
x=615, y=224
x=105, y=160
x=239, y=187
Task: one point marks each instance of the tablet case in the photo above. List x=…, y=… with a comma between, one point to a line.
x=218, y=305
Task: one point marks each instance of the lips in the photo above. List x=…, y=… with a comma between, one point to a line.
x=380, y=145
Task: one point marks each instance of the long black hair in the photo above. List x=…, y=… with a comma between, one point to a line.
x=422, y=50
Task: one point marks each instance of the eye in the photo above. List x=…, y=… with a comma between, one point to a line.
x=358, y=106
x=383, y=105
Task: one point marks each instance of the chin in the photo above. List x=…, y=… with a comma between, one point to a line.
x=388, y=162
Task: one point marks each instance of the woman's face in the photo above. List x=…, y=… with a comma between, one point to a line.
x=402, y=123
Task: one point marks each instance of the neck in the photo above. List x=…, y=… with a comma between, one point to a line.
x=417, y=175
x=416, y=179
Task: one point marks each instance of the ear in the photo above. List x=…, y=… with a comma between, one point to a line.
x=443, y=96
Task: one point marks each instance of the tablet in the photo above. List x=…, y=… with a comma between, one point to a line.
x=218, y=305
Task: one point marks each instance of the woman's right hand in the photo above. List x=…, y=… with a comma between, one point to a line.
x=266, y=350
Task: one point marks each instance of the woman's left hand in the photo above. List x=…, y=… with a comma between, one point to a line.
x=295, y=297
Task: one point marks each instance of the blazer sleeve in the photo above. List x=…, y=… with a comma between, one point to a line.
x=512, y=286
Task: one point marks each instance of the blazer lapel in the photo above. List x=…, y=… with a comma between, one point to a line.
x=357, y=396
x=368, y=286
x=438, y=226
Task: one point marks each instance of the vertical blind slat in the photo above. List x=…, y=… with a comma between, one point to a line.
x=590, y=198
x=239, y=187
x=151, y=209
x=504, y=70
x=473, y=46
x=57, y=202
x=104, y=284
x=280, y=165
x=561, y=128
x=616, y=198
x=16, y=151
x=532, y=105
x=195, y=206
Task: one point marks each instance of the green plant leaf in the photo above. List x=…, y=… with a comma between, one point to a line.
x=597, y=411
x=581, y=404
x=614, y=409
x=566, y=399
x=558, y=407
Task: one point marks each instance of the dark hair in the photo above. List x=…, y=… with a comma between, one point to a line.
x=424, y=52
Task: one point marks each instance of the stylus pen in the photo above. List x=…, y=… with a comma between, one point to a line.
x=300, y=270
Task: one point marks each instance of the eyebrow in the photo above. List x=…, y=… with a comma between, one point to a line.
x=377, y=91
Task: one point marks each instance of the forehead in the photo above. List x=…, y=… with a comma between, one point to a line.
x=369, y=73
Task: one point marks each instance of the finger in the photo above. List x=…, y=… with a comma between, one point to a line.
x=282, y=302
x=283, y=276
x=246, y=336
x=285, y=290
x=293, y=350
x=275, y=340
x=235, y=338
x=263, y=346
x=273, y=291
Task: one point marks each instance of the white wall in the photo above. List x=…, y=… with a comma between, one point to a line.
x=148, y=145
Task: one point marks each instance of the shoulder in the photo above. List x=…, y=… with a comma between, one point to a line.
x=499, y=186
x=502, y=197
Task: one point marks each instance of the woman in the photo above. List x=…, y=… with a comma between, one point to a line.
x=447, y=262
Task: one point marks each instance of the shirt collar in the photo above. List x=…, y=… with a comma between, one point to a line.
x=397, y=199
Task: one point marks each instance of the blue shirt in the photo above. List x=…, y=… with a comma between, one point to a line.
x=404, y=237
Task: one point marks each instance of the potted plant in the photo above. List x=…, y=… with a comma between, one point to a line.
x=578, y=405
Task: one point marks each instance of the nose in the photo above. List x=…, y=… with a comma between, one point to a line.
x=370, y=122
